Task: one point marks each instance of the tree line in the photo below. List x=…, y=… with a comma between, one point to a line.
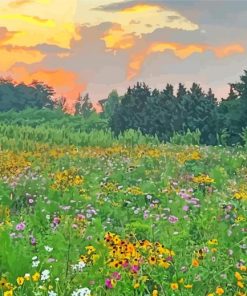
x=151, y=111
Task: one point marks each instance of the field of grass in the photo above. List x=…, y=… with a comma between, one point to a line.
x=119, y=217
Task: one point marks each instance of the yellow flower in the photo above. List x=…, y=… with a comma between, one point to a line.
x=36, y=276
x=90, y=249
x=243, y=268
x=211, y=294
x=136, y=285
x=174, y=286
x=213, y=241
x=188, y=286
x=20, y=280
x=238, y=276
x=155, y=293
x=240, y=284
x=219, y=291
x=3, y=282
x=181, y=281
x=8, y=293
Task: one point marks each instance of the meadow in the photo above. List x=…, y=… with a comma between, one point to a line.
x=87, y=214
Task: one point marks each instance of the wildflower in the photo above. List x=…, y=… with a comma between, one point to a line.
x=116, y=275
x=78, y=267
x=3, y=282
x=211, y=294
x=173, y=219
x=90, y=249
x=240, y=284
x=174, y=286
x=21, y=226
x=110, y=283
x=35, y=262
x=136, y=285
x=8, y=293
x=48, y=249
x=188, y=286
x=219, y=291
x=195, y=263
x=81, y=292
x=213, y=242
x=238, y=276
x=20, y=281
x=155, y=293
x=36, y=276
x=27, y=277
x=45, y=275
x=52, y=293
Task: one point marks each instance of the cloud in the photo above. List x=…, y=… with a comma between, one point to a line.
x=40, y=21
x=116, y=38
x=5, y=35
x=224, y=51
x=12, y=55
x=133, y=16
x=181, y=51
x=34, y=20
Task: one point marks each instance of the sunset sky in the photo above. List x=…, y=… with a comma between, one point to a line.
x=95, y=46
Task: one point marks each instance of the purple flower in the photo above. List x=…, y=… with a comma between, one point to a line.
x=173, y=219
x=186, y=208
x=33, y=241
x=21, y=226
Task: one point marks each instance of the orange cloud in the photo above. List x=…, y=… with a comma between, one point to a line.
x=225, y=51
x=5, y=35
x=180, y=50
x=65, y=83
x=116, y=38
x=139, y=8
x=12, y=55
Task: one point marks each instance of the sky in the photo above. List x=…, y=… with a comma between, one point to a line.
x=95, y=46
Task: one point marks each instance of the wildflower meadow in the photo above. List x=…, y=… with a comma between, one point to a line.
x=128, y=217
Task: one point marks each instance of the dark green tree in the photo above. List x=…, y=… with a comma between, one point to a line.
x=84, y=106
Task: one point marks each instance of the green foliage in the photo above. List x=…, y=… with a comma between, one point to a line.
x=84, y=106
x=188, y=138
x=14, y=96
x=244, y=136
x=26, y=137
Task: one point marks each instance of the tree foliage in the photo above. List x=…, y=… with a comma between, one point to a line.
x=19, y=96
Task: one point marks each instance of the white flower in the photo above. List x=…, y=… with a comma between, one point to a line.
x=78, y=267
x=35, y=263
x=48, y=249
x=52, y=293
x=81, y=292
x=45, y=275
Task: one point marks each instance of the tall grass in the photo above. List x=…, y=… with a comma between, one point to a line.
x=26, y=137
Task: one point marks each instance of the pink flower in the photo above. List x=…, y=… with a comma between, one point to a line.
x=134, y=268
x=21, y=226
x=116, y=276
x=173, y=219
x=108, y=284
